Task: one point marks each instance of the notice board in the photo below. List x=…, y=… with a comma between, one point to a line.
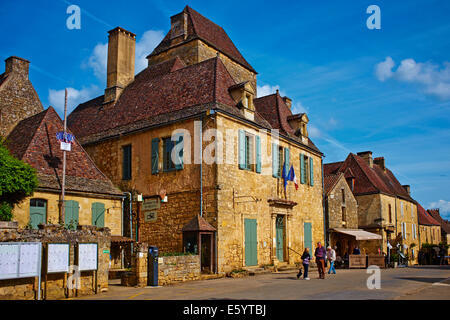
x=20, y=259
x=58, y=258
x=87, y=256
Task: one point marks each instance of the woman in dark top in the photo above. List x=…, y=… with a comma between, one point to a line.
x=305, y=259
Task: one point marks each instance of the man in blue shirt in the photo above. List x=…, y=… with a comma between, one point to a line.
x=320, y=255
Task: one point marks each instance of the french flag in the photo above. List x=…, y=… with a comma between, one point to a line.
x=291, y=177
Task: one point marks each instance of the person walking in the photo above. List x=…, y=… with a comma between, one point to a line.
x=306, y=257
x=331, y=256
x=442, y=253
x=320, y=255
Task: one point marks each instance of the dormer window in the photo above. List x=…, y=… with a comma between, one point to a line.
x=243, y=95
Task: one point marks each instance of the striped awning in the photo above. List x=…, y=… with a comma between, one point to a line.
x=359, y=234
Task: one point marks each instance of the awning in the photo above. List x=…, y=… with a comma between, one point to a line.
x=120, y=239
x=359, y=234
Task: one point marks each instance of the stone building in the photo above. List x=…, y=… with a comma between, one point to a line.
x=385, y=207
x=445, y=225
x=18, y=99
x=429, y=228
x=91, y=198
x=198, y=89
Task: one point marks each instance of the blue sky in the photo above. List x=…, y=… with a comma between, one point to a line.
x=385, y=90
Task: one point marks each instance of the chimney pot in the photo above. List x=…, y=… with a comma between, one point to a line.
x=288, y=102
x=367, y=156
x=407, y=187
x=17, y=65
x=380, y=162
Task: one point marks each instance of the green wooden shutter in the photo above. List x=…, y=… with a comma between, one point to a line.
x=71, y=214
x=286, y=160
x=258, y=154
x=179, y=164
x=155, y=155
x=311, y=171
x=275, y=161
x=98, y=214
x=241, y=149
x=251, y=242
x=302, y=169
x=307, y=234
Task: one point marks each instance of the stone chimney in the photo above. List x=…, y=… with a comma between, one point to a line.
x=367, y=156
x=120, y=68
x=288, y=102
x=179, y=26
x=380, y=162
x=407, y=187
x=17, y=66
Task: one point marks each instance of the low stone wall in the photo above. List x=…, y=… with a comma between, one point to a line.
x=171, y=269
x=56, y=284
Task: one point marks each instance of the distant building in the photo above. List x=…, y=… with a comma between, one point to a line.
x=445, y=225
x=429, y=228
x=385, y=207
x=197, y=80
x=18, y=99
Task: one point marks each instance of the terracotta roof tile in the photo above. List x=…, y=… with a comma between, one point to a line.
x=198, y=223
x=445, y=224
x=34, y=141
x=330, y=181
x=424, y=217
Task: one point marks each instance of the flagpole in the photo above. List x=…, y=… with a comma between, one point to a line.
x=63, y=207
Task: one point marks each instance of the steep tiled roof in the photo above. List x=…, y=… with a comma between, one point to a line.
x=158, y=90
x=202, y=28
x=367, y=179
x=34, y=141
x=198, y=223
x=330, y=181
x=277, y=113
x=424, y=217
x=445, y=224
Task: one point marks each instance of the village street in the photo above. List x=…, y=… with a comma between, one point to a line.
x=425, y=282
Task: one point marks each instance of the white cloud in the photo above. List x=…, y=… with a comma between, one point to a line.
x=314, y=132
x=383, y=70
x=444, y=207
x=74, y=97
x=298, y=107
x=432, y=78
x=266, y=90
x=98, y=59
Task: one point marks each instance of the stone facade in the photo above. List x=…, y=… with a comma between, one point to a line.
x=113, y=208
x=18, y=99
x=334, y=202
x=54, y=286
x=429, y=234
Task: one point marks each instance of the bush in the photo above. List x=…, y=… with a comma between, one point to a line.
x=18, y=180
x=5, y=212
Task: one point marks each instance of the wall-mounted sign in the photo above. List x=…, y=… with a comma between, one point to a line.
x=87, y=256
x=151, y=204
x=20, y=260
x=150, y=216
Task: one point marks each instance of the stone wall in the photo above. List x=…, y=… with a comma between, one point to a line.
x=18, y=99
x=26, y=289
x=429, y=234
x=171, y=269
x=334, y=206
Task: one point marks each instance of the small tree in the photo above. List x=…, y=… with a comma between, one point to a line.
x=18, y=180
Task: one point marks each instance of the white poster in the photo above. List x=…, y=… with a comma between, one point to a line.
x=87, y=256
x=58, y=258
x=20, y=260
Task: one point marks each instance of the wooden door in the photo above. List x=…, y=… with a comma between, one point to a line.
x=251, y=250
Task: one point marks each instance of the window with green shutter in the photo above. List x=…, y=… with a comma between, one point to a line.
x=38, y=212
x=249, y=149
x=276, y=161
x=168, y=145
x=302, y=169
x=241, y=149
x=126, y=162
x=258, y=154
x=179, y=149
x=311, y=171
x=71, y=214
x=286, y=160
x=155, y=155
x=98, y=214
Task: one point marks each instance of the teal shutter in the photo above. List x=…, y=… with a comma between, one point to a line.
x=241, y=149
x=275, y=161
x=307, y=229
x=180, y=146
x=251, y=242
x=155, y=155
x=311, y=171
x=258, y=154
x=286, y=160
x=38, y=212
x=302, y=169
x=71, y=214
x=98, y=214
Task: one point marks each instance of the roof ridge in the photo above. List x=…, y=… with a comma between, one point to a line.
x=364, y=171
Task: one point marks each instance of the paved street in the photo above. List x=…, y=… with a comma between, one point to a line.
x=402, y=283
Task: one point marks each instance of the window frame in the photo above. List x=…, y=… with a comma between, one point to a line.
x=129, y=169
x=168, y=154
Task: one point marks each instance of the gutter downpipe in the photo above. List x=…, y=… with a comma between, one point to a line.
x=201, y=166
x=131, y=222
x=323, y=208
